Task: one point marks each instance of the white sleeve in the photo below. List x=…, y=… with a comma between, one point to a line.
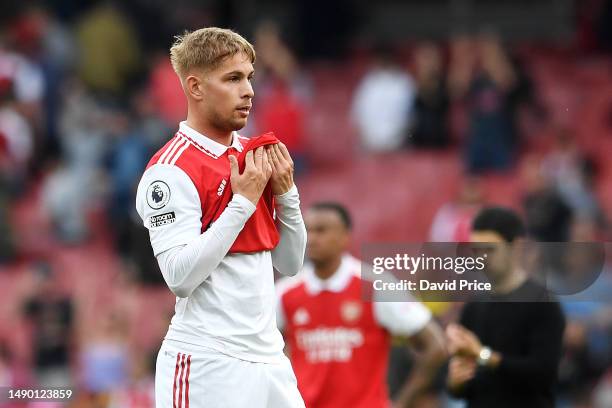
x=280, y=312
x=169, y=205
x=402, y=318
x=288, y=256
x=186, y=257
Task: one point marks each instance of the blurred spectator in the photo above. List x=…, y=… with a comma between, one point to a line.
x=463, y=59
x=453, y=221
x=73, y=183
x=51, y=314
x=83, y=128
x=484, y=73
x=571, y=172
x=547, y=216
x=25, y=80
x=127, y=159
x=15, y=148
x=104, y=356
x=46, y=37
x=587, y=343
x=109, y=48
x=588, y=336
x=16, y=139
x=52, y=44
x=432, y=100
x=282, y=90
x=65, y=198
x=491, y=143
x=383, y=104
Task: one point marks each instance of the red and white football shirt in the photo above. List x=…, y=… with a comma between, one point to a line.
x=230, y=310
x=338, y=342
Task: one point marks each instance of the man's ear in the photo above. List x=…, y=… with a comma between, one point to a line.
x=193, y=87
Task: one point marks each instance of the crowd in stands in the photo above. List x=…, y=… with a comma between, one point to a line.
x=86, y=99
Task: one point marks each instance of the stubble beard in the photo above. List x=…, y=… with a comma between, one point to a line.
x=227, y=124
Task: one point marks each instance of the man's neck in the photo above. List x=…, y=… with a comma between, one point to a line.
x=326, y=270
x=510, y=283
x=222, y=137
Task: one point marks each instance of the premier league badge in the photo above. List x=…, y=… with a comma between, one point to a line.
x=158, y=195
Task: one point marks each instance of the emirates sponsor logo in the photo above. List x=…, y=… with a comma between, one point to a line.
x=325, y=344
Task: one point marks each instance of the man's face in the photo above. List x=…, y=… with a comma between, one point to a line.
x=228, y=94
x=327, y=235
x=499, y=253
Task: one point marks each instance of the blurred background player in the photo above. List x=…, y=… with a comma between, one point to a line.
x=507, y=345
x=210, y=199
x=338, y=342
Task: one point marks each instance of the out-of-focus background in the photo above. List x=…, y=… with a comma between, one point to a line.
x=413, y=114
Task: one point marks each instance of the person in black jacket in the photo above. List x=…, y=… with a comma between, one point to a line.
x=507, y=345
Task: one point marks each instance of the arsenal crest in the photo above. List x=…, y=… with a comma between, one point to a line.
x=301, y=317
x=351, y=311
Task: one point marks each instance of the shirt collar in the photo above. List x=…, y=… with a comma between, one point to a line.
x=335, y=283
x=207, y=143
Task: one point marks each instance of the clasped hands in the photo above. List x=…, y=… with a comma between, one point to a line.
x=272, y=162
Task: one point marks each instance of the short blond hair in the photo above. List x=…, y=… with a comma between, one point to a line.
x=207, y=48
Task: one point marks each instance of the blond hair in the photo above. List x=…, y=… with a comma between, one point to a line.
x=207, y=48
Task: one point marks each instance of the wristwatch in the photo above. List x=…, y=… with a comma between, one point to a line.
x=484, y=356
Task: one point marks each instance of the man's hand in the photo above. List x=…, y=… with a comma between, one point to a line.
x=253, y=180
x=462, y=342
x=460, y=371
x=282, y=168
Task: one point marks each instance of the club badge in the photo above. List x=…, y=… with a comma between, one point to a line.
x=350, y=311
x=301, y=317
